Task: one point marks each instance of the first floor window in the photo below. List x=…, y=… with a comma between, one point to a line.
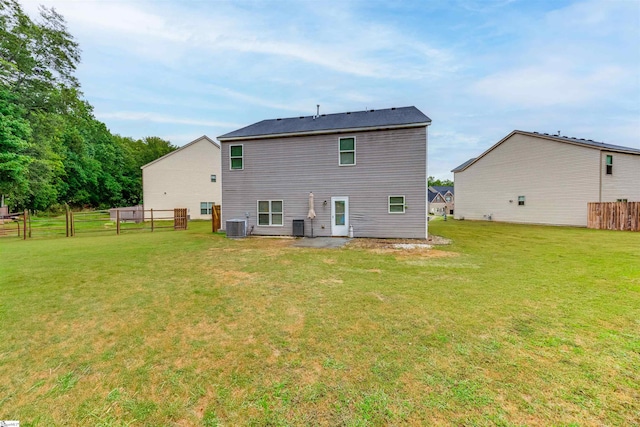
x=236, y=156
x=621, y=200
x=213, y=178
x=520, y=200
x=396, y=204
x=609, y=164
x=270, y=212
x=205, y=208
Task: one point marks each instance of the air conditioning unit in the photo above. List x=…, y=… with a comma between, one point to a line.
x=236, y=228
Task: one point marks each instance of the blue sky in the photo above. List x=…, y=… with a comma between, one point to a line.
x=479, y=69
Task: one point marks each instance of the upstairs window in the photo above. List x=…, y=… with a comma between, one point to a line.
x=520, y=200
x=396, y=204
x=213, y=178
x=347, y=148
x=270, y=212
x=609, y=164
x=236, y=157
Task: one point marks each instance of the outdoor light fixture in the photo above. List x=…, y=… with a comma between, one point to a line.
x=324, y=203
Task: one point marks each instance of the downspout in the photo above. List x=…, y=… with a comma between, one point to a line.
x=426, y=184
x=600, y=179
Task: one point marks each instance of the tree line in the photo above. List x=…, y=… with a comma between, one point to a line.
x=52, y=148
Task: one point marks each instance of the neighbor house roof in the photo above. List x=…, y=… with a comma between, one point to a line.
x=431, y=195
x=182, y=148
x=442, y=189
x=565, y=139
x=330, y=123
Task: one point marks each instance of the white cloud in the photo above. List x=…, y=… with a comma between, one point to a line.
x=161, y=118
x=546, y=85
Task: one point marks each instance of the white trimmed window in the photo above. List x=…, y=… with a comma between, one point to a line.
x=270, y=212
x=236, y=157
x=213, y=178
x=520, y=200
x=205, y=208
x=609, y=162
x=396, y=204
x=347, y=149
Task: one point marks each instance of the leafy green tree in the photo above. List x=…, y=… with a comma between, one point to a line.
x=439, y=182
x=15, y=132
x=52, y=148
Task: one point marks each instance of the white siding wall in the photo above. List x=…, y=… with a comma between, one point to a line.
x=624, y=182
x=183, y=179
x=557, y=180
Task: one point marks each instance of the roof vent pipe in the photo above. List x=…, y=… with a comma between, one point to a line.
x=317, y=111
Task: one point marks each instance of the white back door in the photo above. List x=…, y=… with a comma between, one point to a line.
x=340, y=216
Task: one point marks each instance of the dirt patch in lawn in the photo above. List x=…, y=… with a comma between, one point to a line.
x=422, y=248
x=364, y=243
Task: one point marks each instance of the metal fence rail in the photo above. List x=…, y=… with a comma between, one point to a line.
x=25, y=225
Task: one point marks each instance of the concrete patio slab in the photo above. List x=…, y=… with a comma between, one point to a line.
x=320, y=242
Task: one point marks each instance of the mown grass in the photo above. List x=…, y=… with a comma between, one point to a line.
x=518, y=325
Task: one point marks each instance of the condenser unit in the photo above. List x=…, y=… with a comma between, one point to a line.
x=236, y=228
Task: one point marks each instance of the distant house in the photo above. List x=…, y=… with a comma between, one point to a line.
x=366, y=169
x=441, y=200
x=188, y=177
x=529, y=177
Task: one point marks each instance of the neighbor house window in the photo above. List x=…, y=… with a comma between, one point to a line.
x=609, y=165
x=520, y=200
x=236, y=156
x=396, y=204
x=448, y=198
x=621, y=200
x=270, y=212
x=347, y=148
x=213, y=178
x=205, y=208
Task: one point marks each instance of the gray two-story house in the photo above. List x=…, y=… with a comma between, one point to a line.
x=367, y=171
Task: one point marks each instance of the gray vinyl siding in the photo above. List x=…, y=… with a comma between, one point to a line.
x=388, y=163
x=557, y=180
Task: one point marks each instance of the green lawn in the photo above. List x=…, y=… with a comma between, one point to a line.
x=509, y=325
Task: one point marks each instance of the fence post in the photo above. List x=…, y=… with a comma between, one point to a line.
x=66, y=218
x=118, y=221
x=151, y=219
x=24, y=220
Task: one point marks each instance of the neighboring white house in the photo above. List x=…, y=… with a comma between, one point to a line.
x=188, y=177
x=529, y=177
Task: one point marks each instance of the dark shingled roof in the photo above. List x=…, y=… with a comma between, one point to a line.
x=464, y=165
x=442, y=189
x=389, y=117
x=587, y=142
x=577, y=141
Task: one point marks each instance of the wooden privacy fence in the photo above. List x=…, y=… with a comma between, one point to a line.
x=215, y=218
x=614, y=216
